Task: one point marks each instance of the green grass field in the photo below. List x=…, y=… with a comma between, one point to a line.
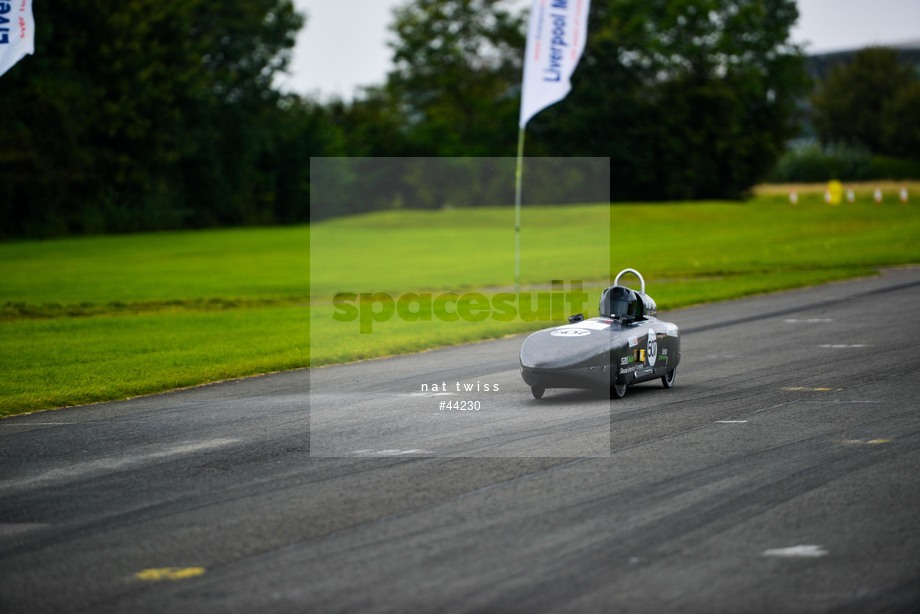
x=94, y=319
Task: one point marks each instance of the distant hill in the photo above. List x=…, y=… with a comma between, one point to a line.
x=819, y=65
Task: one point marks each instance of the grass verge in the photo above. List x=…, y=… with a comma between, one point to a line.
x=85, y=320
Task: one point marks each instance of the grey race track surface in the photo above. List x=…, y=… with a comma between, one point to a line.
x=780, y=474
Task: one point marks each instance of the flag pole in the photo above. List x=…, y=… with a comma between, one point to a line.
x=518, y=174
x=546, y=79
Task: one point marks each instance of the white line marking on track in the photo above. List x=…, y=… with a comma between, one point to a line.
x=391, y=452
x=797, y=552
x=839, y=402
x=841, y=346
x=113, y=463
x=731, y=421
x=11, y=529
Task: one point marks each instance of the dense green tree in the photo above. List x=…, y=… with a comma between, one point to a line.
x=299, y=129
x=150, y=114
x=456, y=76
x=453, y=91
x=871, y=101
x=372, y=124
x=901, y=122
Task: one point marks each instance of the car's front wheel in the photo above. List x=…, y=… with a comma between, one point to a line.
x=537, y=392
x=617, y=391
x=668, y=379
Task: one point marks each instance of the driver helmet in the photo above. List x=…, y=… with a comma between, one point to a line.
x=619, y=302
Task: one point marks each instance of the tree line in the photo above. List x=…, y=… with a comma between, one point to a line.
x=144, y=114
x=150, y=115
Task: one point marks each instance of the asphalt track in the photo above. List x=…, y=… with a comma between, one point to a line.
x=780, y=474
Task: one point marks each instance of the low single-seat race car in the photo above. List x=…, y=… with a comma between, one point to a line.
x=625, y=345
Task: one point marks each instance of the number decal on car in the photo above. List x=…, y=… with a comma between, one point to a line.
x=652, y=350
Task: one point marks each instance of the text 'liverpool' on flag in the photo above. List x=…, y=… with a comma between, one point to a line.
x=555, y=41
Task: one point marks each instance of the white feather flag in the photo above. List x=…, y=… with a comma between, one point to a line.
x=17, y=32
x=555, y=41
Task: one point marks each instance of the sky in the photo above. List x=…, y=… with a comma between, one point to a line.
x=343, y=45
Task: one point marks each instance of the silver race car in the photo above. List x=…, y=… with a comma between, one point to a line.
x=625, y=345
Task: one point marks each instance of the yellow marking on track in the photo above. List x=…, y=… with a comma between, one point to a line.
x=864, y=442
x=169, y=573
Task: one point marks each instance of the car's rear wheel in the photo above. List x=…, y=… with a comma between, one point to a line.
x=617, y=391
x=537, y=392
x=668, y=379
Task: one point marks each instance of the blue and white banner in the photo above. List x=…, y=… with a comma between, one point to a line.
x=555, y=40
x=17, y=32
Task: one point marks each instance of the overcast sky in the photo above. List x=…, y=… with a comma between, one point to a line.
x=344, y=42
